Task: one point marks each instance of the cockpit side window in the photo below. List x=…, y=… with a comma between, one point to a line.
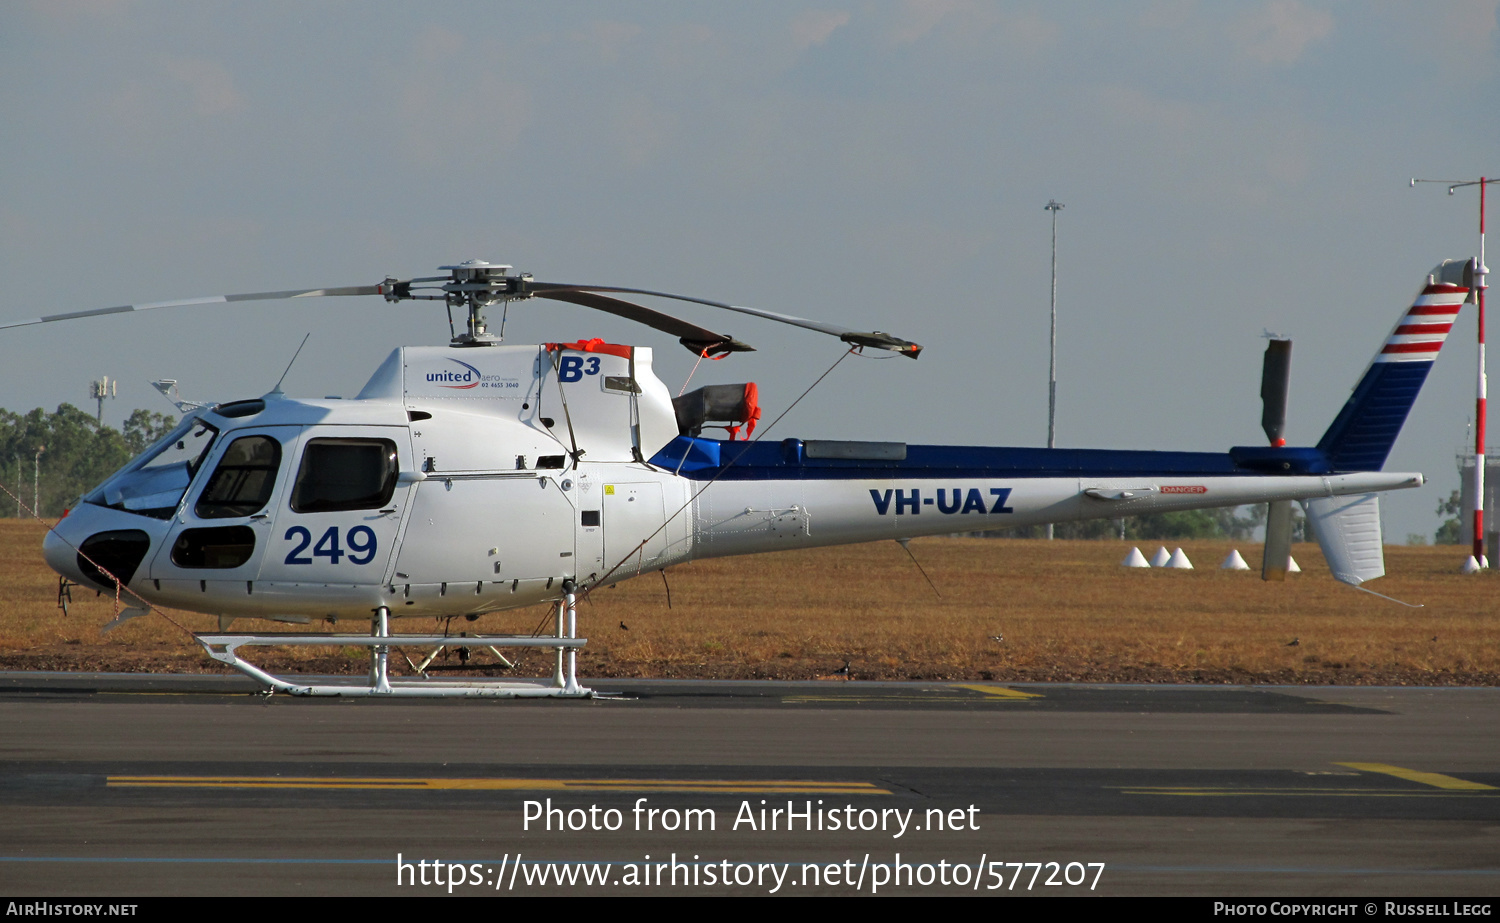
x=186, y=447
x=345, y=474
x=241, y=485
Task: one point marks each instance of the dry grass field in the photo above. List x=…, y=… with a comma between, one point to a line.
x=1066, y=611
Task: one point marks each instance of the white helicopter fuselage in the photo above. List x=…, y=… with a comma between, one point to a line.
x=469, y=480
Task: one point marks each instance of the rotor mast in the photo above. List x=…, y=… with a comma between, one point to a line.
x=477, y=285
x=472, y=285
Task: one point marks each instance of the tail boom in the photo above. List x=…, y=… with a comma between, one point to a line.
x=748, y=516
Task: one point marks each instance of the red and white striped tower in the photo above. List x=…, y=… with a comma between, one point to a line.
x=1480, y=271
x=1479, y=414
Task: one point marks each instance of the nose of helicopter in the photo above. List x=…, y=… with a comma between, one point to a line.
x=60, y=555
x=86, y=551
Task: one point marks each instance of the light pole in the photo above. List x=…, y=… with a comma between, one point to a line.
x=1480, y=270
x=36, y=481
x=1054, y=207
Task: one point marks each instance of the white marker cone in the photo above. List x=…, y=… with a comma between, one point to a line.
x=1291, y=565
x=1471, y=566
x=1234, y=562
x=1135, y=559
x=1180, y=561
x=1161, y=557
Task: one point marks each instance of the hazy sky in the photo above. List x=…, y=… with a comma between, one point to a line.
x=1225, y=168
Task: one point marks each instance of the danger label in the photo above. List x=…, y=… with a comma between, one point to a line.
x=1184, y=489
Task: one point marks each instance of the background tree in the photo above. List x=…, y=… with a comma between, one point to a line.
x=79, y=453
x=143, y=427
x=1230, y=522
x=1450, y=532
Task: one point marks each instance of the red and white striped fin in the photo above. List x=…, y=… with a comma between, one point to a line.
x=1420, y=333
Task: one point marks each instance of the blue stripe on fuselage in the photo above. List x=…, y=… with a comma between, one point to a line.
x=786, y=461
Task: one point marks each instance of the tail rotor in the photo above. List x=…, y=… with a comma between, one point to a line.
x=1275, y=382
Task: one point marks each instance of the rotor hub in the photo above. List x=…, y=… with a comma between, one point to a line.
x=475, y=285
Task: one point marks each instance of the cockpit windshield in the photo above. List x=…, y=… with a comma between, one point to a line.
x=154, y=483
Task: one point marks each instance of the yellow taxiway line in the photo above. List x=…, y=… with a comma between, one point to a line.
x=763, y=786
x=999, y=692
x=1191, y=792
x=1449, y=787
x=990, y=693
x=1435, y=779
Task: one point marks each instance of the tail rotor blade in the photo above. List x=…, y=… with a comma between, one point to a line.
x=1275, y=381
x=1278, y=555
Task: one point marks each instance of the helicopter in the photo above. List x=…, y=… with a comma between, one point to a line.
x=482, y=476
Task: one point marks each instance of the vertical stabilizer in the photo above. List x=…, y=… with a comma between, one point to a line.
x=1362, y=435
x=1348, y=531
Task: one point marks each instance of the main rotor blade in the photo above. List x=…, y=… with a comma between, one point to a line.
x=211, y=299
x=696, y=339
x=873, y=338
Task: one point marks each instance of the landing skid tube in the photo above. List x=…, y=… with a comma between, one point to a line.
x=224, y=648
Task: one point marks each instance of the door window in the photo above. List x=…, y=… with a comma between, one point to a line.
x=345, y=474
x=241, y=485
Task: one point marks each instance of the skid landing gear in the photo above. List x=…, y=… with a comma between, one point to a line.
x=564, y=684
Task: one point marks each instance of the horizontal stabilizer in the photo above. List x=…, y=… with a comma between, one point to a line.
x=1348, y=531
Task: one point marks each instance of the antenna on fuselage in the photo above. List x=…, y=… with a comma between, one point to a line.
x=276, y=391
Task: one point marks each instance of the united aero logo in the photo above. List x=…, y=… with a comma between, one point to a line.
x=470, y=377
